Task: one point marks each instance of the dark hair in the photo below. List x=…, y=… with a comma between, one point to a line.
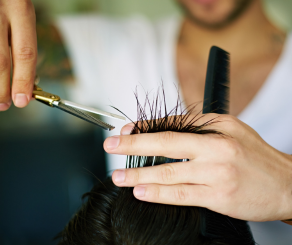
x=112, y=215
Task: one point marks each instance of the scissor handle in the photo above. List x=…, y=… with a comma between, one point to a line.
x=44, y=97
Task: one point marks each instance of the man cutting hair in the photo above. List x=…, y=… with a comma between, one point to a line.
x=247, y=176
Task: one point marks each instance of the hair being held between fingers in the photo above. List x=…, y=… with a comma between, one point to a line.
x=112, y=215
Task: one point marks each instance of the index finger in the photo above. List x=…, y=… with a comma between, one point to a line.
x=24, y=51
x=167, y=144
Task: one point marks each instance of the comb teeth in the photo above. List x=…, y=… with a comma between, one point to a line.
x=216, y=98
x=85, y=116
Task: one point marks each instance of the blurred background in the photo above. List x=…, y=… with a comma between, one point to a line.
x=48, y=159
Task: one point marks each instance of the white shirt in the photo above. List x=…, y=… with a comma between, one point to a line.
x=111, y=57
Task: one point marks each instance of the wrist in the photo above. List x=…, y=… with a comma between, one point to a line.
x=289, y=218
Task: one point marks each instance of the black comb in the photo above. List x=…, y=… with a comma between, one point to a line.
x=216, y=100
x=216, y=97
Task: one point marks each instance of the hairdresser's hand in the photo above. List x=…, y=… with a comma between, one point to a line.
x=17, y=29
x=240, y=176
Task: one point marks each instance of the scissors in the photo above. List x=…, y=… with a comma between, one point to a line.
x=72, y=108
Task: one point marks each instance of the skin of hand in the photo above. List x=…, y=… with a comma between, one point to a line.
x=19, y=44
x=238, y=174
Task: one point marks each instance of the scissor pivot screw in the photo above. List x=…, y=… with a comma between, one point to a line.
x=53, y=97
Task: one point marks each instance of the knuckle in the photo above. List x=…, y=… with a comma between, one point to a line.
x=233, y=148
x=226, y=194
x=232, y=123
x=228, y=178
x=226, y=173
x=224, y=198
x=180, y=194
x=229, y=147
x=167, y=173
x=26, y=54
x=23, y=84
x=4, y=63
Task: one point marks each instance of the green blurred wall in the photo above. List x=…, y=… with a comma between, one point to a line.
x=278, y=10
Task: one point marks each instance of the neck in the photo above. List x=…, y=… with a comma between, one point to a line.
x=250, y=33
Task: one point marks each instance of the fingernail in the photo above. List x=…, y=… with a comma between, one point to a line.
x=127, y=130
x=112, y=142
x=139, y=191
x=4, y=106
x=119, y=176
x=20, y=100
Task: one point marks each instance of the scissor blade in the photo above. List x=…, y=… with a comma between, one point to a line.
x=92, y=110
x=83, y=115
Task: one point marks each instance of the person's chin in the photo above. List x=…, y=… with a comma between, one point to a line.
x=204, y=2
x=201, y=4
x=207, y=22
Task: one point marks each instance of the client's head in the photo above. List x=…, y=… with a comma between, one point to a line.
x=112, y=215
